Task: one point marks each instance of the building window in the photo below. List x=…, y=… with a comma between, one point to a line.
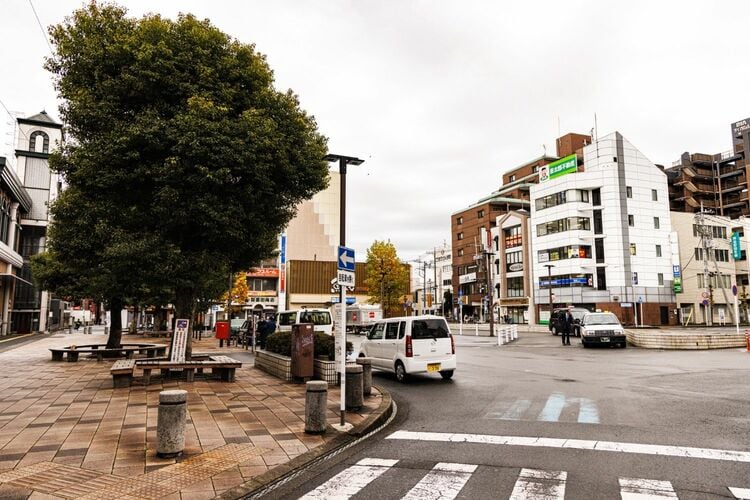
x=459, y=221
x=658, y=250
x=628, y=191
x=553, y=200
x=598, y=227
x=535, y=169
x=631, y=221
x=596, y=197
x=460, y=252
x=599, y=249
x=660, y=279
x=632, y=249
x=33, y=141
x=656, y=223
x=654, y=195
x=480, y=214
x=512, y=178
x=5, y=219
x=512, y=237
x=460, y=236
x=515, y=287
x=561, y=225
x=567, y=252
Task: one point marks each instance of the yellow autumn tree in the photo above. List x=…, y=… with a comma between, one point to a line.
x=240, y=292
x=387, y=278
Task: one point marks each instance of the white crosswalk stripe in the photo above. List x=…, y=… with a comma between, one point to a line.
x=741, y=493
x=350, y=481
x=444, y=481
x=645, y=489
x=533, y=484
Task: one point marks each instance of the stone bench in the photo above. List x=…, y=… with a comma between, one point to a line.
x=101, y=351
x=122, y=371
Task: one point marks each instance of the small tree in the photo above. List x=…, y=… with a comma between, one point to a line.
x=240, y=291
x=387, y=278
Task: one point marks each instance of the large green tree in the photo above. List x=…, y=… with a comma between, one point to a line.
x=182, y=147
x=387, y=278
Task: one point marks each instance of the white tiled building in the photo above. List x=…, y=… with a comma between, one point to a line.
x=604, y=233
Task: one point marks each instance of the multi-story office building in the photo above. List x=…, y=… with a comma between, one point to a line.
x=601, y=237
x=716, y=182
x=708, y=270
x=470, y=247
x=511, y=255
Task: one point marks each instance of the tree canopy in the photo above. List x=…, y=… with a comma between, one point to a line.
x=387, y=277
x=184, y=157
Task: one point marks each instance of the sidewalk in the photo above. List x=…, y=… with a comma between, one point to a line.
x=66, y=433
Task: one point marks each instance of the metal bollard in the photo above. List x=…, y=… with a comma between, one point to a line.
x=170, y=423
x=316, y=399
x=366, y=375
x=353, y=397
x=501, y=336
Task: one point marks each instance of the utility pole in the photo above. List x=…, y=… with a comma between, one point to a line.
x=706, y=243
x=490, y=294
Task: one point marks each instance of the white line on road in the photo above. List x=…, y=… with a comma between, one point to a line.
x=444, y=481
x=577, y=444
x=535, y=484
x=349, y=482
x=645, y=489
x=741, y=493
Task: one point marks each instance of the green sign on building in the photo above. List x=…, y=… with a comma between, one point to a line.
x=736, y=248
x=563, y=166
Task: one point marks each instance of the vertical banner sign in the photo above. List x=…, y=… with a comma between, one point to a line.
x=736, y=249
x=282, y=273
x=676, y=279
x=179, y=340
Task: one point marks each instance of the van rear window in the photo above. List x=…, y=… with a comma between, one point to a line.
x=315, y=317
x=429, y=329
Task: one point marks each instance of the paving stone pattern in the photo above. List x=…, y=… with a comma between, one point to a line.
x=65, y=432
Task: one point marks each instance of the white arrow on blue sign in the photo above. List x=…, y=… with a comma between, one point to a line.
x=346, y=259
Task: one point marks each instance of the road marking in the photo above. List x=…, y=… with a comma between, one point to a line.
x=444, y=481
x=350, y=481
x=741, y=493
x=533, y=484
x=578, y=444
x=588, y=413
x=645, y=489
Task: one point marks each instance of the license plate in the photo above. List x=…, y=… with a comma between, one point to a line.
x=604, y=339
x=433, y=367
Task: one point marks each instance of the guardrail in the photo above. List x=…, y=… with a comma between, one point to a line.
x=506, y=334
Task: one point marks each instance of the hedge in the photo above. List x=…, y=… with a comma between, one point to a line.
x=325, y=345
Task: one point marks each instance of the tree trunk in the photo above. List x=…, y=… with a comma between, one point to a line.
x=184, y=305
x=115, y=327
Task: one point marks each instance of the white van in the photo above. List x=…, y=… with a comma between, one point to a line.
x=411, y=344
x=320, y=318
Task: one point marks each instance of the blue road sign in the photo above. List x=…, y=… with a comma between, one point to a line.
x=345, y=259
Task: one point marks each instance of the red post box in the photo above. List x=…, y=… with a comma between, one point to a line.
x=222, y=330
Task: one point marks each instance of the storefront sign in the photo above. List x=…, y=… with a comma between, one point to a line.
x=676, y=279
x=515, y=267
x=467, y=278
x=740, y=126
x=263, y=272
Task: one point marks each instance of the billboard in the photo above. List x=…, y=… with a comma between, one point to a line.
x=558, y=168
x=739, y=127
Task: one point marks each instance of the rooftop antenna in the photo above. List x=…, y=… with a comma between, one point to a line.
x=558, y=135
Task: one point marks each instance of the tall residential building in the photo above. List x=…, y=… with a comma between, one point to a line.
x=716, y=182
x=38, y=135
x=601, y=237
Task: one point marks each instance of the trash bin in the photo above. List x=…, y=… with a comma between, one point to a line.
x=303, y=350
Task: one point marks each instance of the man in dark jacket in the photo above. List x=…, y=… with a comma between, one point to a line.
x=567, y=327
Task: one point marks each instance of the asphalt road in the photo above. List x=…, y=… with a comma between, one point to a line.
x=534, y=419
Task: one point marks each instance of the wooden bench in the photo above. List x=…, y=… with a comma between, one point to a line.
x=100, y=351
x=122, y=371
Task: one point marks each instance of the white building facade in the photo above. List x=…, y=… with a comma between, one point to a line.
x=431, y=279
x=601, y=236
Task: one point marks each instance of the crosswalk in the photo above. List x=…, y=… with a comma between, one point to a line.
x=556, y=408
x=445, y=481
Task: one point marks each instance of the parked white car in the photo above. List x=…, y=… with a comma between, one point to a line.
x=320, y=318
x=602, y=329
x=411, y=344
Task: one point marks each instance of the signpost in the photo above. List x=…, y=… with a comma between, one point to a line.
x=736, y=309
x=179, y=341
x=345, y=279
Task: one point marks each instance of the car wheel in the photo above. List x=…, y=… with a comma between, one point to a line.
x=401, y=374
x=584, y=344
x=446, y=374
x=624, y=345
x=554, y=331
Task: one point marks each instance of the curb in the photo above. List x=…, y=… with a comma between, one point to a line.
x=281, y=472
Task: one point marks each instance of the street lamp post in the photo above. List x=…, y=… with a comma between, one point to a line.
x=343, y=162
x=549, y=286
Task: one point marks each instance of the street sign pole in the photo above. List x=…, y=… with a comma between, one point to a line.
x=736, y=310
x=342, y=352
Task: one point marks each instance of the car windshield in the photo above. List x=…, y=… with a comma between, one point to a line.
x=429, y=329
x=601, y=319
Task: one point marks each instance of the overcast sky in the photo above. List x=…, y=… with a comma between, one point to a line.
x=441, y=97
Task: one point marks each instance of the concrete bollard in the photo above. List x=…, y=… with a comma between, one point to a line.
x=500, y=337
x=353, y=397
x=170, y=423
x=366, y=375
x=316, y=399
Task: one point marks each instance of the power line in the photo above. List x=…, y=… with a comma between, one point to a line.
x=44, y=33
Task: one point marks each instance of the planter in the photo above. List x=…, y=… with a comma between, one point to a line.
x=274, y=364
x=326, y=370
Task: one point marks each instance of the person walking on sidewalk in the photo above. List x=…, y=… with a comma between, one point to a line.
x=567, y=327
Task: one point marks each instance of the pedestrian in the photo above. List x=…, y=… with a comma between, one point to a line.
x=567, y=327
x=78, y=324
x=260, y=330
